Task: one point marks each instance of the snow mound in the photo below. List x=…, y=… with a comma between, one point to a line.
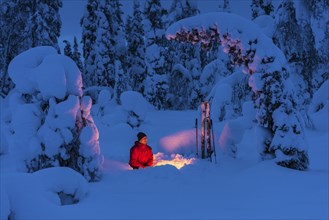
x=31, y=73
x=41, y=192
x=230, y=136
x=135, y=102
x=63, y=179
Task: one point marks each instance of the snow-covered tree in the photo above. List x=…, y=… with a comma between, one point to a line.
x=191, y=8
x=309, y=55
x=135, y=62
x=102, y=41
x=76, y=55
x=261, y=7
x=257, y=56
x=45, y=24
x=299, y=49
x=121, y=81
x=67, y=48
x=313, y=18
x=186, y=57
x=255, y=8
x=317, y=8
x=26, y=24
x=156, y=85
x=48, y=120
x=179, y=95
x=180, y=9
x=98, y=47
x=103, y=64
x=324, y=54
x=194, y=66
x=225, y=6
x=287, y=31
x=89, y=27
x=114, y=15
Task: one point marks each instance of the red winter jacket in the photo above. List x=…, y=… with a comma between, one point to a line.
x=140, y=156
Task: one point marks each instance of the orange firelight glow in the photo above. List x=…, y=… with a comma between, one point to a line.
x=176, y=160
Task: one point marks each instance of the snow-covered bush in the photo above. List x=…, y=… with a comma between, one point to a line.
x=48, y=119
x=266, y=66
x=136, y=106
x=133, y=109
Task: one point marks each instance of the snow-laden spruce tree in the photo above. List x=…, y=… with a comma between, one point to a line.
x=48, y=120
x=156, y=83
x=225, y=7
x=23, y=25
x=182, y=58
x=299, y=49
x=76, y=55
x=313, y=17
x=261, y=7
x=135, y=61
x=287, y=31
x=266, y=66
x=102, y=31
x=98, y=49
x=89, y=27
x=67, y=49
x=121, y=81
x=114, y=13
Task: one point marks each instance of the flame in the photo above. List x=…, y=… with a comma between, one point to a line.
x=176, y=160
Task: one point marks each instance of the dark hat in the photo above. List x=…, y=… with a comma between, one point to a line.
x=140, y=135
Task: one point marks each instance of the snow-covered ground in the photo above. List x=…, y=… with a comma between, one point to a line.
x=242, y=188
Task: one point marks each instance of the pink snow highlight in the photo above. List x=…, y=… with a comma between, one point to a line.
x=181, y=141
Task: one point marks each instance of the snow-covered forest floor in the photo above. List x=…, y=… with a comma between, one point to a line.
x=241, y=188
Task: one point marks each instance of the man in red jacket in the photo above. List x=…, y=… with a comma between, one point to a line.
x=141, y=154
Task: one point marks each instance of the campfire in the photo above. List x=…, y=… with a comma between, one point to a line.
x=175, y=160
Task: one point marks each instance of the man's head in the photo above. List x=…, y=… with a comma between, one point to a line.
x=142, y=138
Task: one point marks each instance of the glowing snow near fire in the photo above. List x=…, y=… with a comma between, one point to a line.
x=175, y=160
x=182, y=142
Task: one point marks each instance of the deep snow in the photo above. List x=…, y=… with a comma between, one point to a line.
x=242, y=188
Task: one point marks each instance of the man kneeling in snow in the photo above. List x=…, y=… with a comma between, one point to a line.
x=141, y=154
